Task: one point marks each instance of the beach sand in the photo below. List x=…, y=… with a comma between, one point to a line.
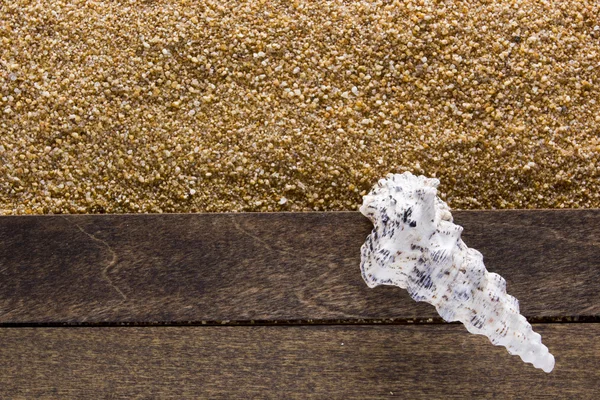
x=193, y=106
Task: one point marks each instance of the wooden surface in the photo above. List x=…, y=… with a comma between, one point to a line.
x=341, y=362
x=281, y=266
x=66, y=281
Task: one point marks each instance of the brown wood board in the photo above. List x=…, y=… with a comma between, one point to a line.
x=340, y=362
x=179, y=268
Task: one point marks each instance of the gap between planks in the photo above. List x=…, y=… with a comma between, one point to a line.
x=351, y=322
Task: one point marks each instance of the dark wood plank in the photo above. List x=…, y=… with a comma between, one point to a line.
x=342, y=362
x=279, y=266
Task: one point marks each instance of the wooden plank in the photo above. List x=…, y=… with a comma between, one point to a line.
x=361, y=362
x=175, y=268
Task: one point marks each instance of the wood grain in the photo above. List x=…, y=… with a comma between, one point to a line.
x=278, y=266
x=338, y=362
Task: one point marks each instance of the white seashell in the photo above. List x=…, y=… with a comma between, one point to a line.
x=415, y=245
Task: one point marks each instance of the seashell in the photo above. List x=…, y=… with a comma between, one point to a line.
x=415, y=245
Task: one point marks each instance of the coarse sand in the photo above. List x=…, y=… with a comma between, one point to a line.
x=188, y=106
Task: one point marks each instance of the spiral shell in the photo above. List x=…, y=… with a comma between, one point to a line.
x=415, y=245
